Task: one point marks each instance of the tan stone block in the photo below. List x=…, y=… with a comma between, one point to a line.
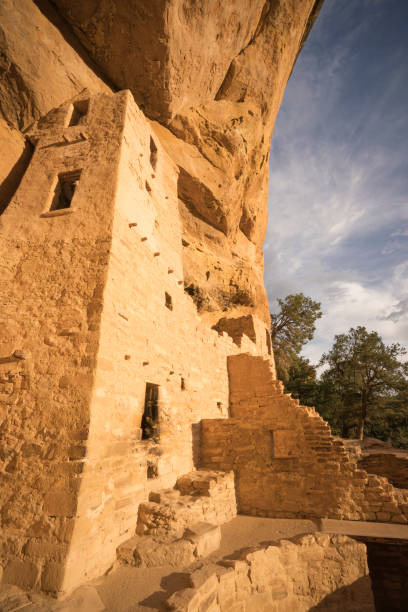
x=186, y=600
x=383, y=516
x=23, y=574
x=207, y=576
x=226, y=588
x=52, y=576
x=43, y=549
x=205, y=536
x=399, y=518
x=146, y=551
x=60, y=503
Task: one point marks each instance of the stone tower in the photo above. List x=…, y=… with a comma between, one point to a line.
x=94, y=317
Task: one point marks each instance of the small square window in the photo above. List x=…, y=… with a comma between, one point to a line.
x=78, y=113
x=169, y=301
x=65, y=190
x=150, y=417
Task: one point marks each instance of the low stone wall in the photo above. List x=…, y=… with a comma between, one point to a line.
x=393, y=466
x=197, y=496
x=329, y=572
x=178, y=526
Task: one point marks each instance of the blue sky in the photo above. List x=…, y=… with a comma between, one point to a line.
x=338, y=189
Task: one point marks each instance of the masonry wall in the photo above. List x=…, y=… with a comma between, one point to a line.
x=286, y=461
x=393, y=466
x=142, y=340
x=53, y=270
x=84, y=326
x=311, y=572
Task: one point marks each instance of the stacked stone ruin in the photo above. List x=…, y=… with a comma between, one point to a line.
x=287, y=462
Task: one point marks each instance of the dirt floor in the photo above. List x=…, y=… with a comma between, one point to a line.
x=129, y=589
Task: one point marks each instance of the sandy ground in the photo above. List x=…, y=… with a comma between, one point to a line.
x=128, y=589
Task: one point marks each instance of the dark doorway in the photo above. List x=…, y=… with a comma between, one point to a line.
x=64, y=190
x=150, y=419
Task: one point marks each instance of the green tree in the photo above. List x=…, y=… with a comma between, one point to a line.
x=291, y=328
x=304, y=384
x=302, y=381
x=365, y=375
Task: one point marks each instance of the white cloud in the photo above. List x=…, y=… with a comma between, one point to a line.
x=338, y=213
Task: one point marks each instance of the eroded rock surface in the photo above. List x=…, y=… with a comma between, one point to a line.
x=39, y=66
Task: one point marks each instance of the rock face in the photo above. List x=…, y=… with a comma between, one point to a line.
x=211, y=74
x=39, y=66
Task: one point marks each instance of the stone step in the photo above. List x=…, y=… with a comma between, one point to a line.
x=197, y=542
x=178, y=526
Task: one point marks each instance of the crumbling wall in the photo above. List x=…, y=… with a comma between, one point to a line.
x=392, y=465
x=286, y=461
x=297, y=575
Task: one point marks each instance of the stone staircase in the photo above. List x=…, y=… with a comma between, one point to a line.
x=180, y=525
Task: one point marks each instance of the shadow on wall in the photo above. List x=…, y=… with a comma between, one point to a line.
x=355, y=596
x=12, y=181
x=388, y=567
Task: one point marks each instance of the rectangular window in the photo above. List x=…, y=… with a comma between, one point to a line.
x=65, y=190
x=78, y=113
x=150, y=418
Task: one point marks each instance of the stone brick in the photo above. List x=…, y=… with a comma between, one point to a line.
x=205, y=536
x=22, y=573
x=52, y=577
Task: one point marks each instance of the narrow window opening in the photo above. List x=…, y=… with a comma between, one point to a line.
x=79, y=113
x=150, y=418
x=268, y=341
x=65, y=190
x=169, y=301
x=182, y=384
x=153, y=154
